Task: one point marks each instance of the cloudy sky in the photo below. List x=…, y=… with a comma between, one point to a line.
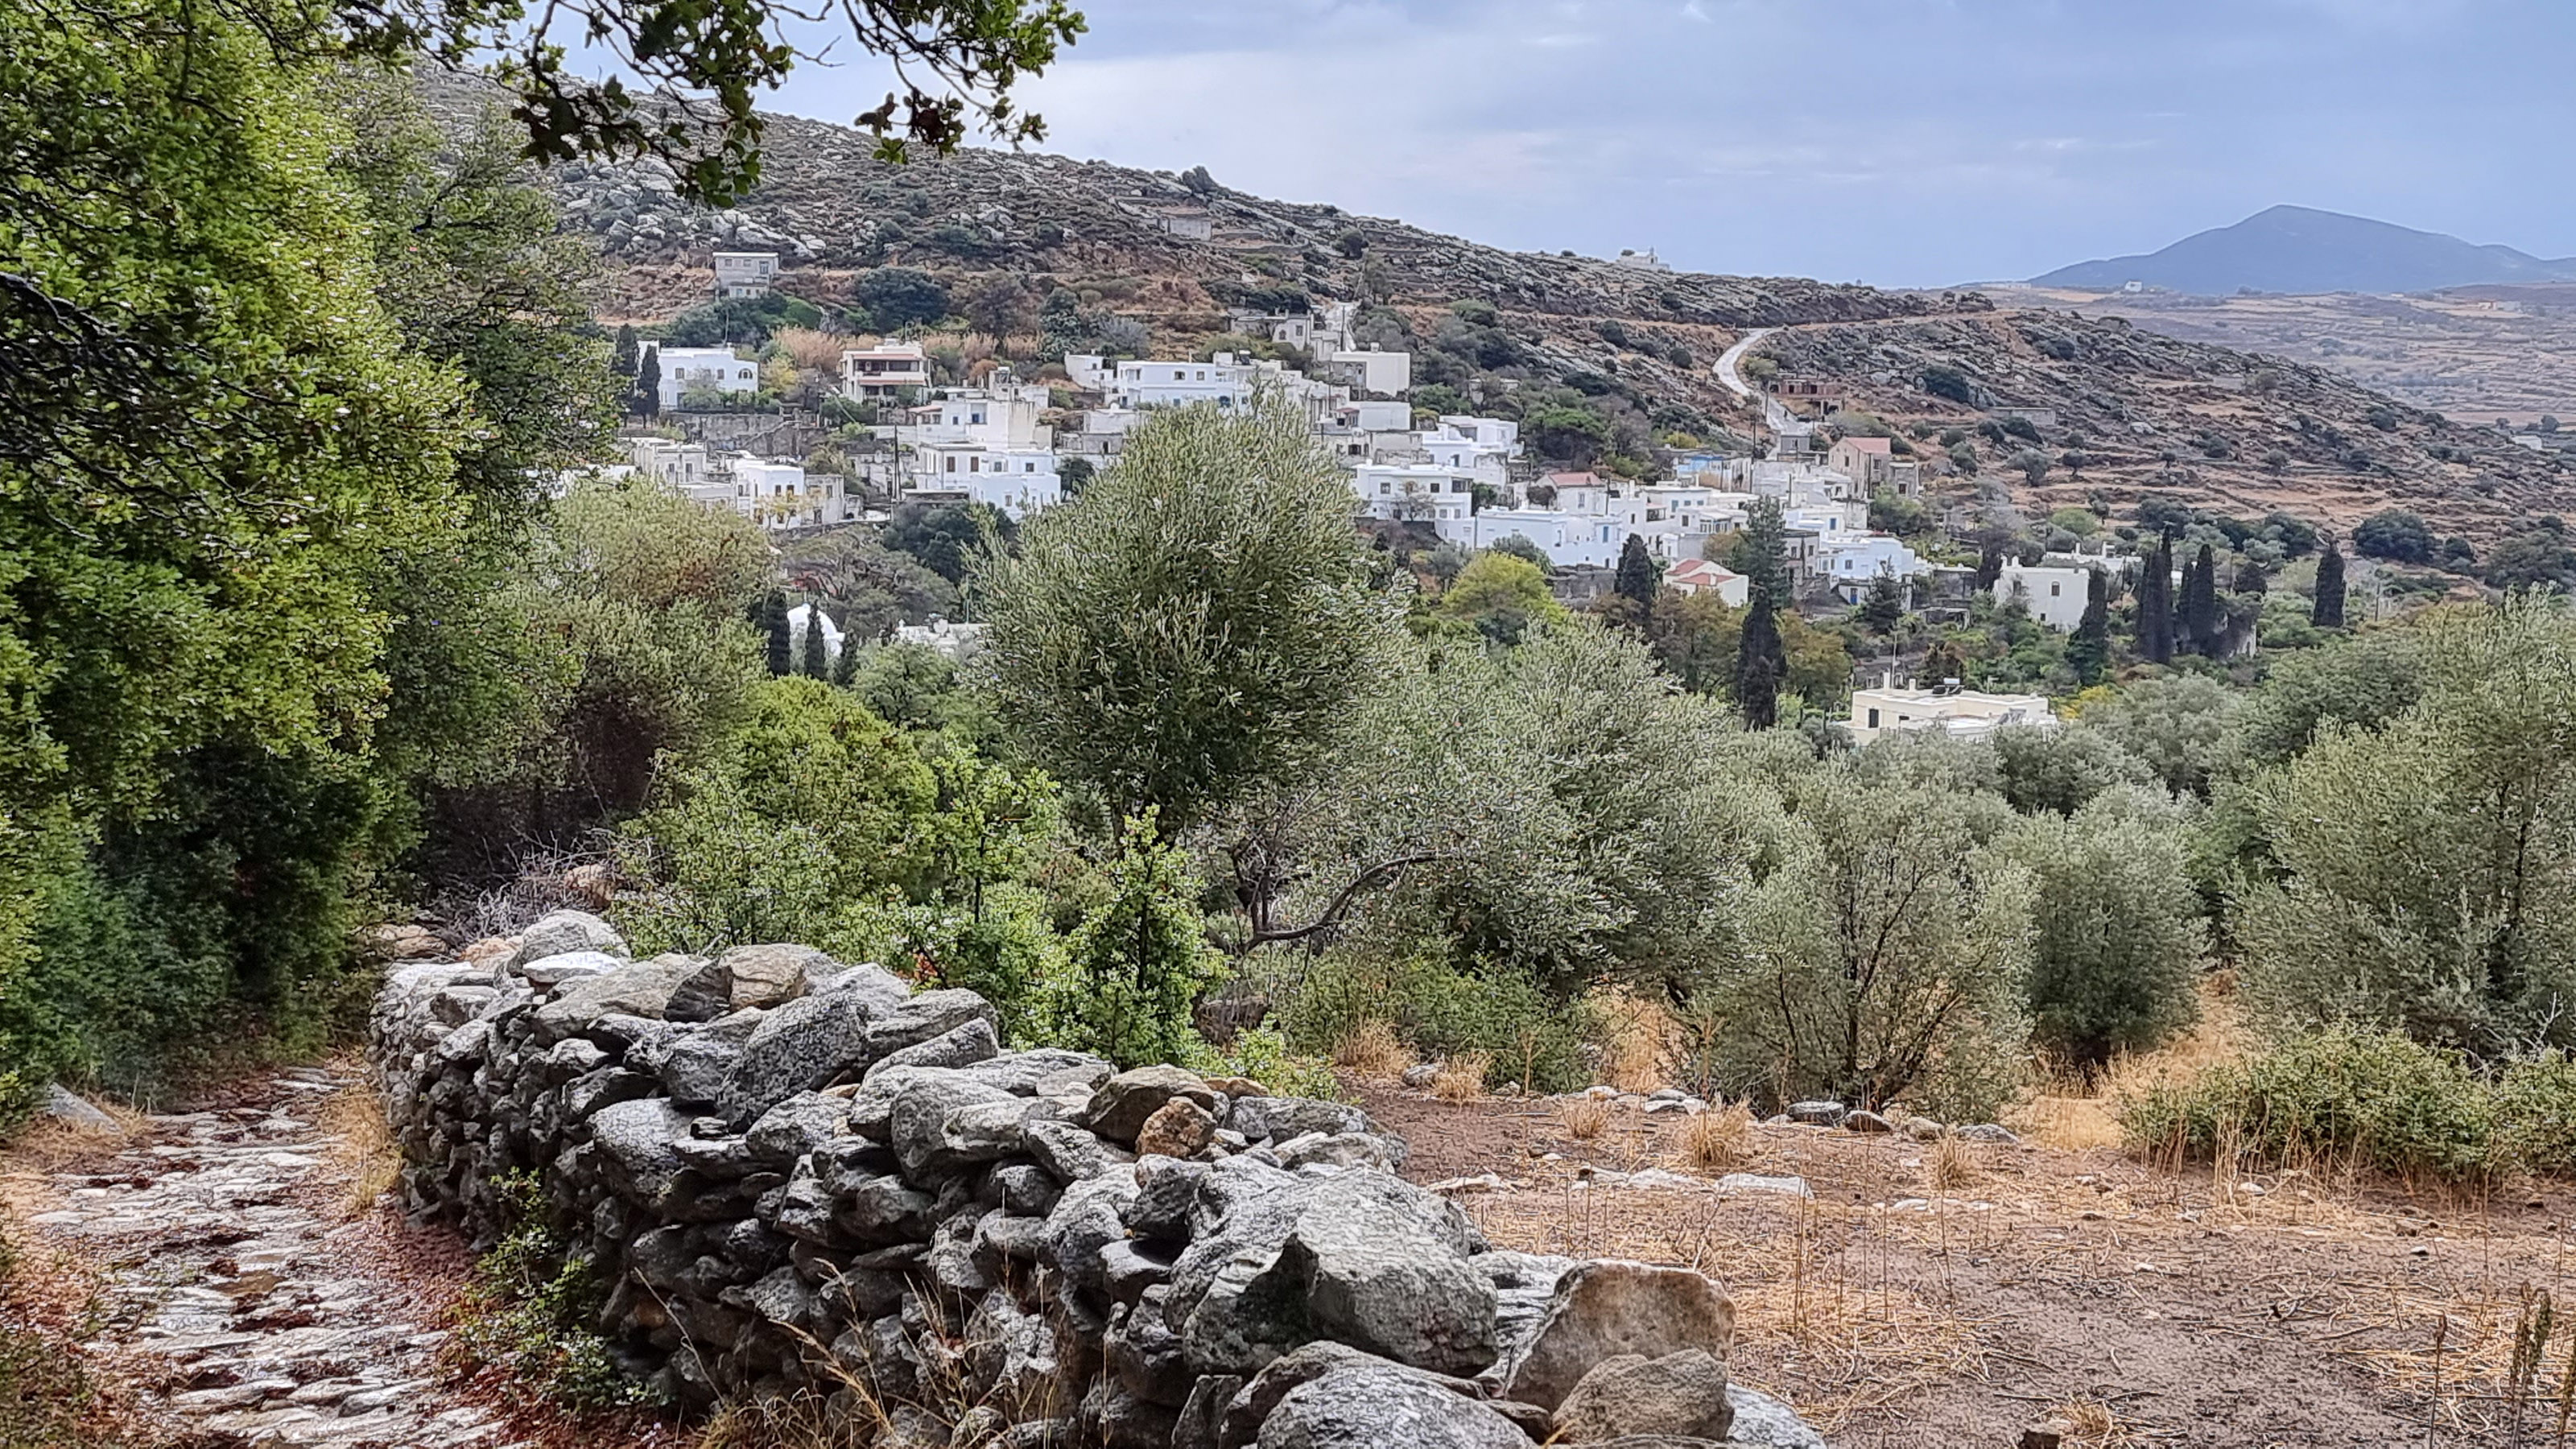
x=1902, y=142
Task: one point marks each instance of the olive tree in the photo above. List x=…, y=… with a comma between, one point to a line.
x=2116, y=936
x=1196, y=626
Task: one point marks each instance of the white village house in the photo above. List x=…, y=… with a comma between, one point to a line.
x=1964, y=714
x=687, y=368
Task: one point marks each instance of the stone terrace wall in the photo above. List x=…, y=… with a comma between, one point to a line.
x=798, y=1175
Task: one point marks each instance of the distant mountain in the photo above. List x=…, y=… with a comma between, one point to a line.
x=2298, y=249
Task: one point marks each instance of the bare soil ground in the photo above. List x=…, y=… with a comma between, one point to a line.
x=2158, y=1306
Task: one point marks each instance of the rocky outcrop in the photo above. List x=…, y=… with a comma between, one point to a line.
x=793, y=1176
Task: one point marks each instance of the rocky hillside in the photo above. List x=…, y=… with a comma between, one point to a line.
x=2201, y=425
x=2207, y=426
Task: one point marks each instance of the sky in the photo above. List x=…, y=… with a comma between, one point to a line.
x=1896, y=142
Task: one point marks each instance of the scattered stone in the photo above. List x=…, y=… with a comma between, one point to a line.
x=1681, y=1394
x=76, y=1111
x=1817, y=1114
x=1118, y=1110
x=1869, y=1122
x=1179, y=1128
x=1609, y=1307
x=1756, y=1182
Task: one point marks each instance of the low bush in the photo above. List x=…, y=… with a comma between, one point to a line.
x=2373, y=1100
x=532, y=1310
x=1527, y=1039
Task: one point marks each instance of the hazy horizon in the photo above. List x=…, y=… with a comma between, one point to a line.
x=1899, y=142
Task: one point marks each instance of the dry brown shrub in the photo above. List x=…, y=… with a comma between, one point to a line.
x=2095, y=1425
x=1374, y=1052
x=1719, y=1139
x=1462, y=1077
x=1584, y=1118
x=1952, y=1163
x=1640, y=1039
x=811, y=348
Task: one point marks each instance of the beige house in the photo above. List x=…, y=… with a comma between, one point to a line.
x=1963, y=714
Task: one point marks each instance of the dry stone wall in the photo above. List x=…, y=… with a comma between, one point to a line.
x=796, y=1176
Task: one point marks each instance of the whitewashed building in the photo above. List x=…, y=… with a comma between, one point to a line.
x=982, y=445
x=685, y=369
x=1965, y=714
x=2055, y=596
x=745, y=274
x=1414, y=492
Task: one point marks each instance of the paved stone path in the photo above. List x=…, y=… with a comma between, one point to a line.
x=255, y=1313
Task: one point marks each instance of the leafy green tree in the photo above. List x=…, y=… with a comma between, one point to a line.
x=1502, y=596
x=1761, y=550
x=2328, y=611
x=2178, y=724
x=2419, y=880
x=1884, y=958
x=1135, y=966
x=2088, y=649
x=2395, y=534
x=2059, y=770
x=1943, y=663
x=2116, y=940
x=624, y=358
x=1882, y=605
x=2538, y=557
x=899, y=297
x=1759, y=664
x=945, y=537
x=1195, y=627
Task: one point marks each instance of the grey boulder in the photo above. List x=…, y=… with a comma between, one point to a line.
x=1118, y=1109
x=1365, y=1406
x=1681, y=1394
x=1608, y=1307
x=564, y=931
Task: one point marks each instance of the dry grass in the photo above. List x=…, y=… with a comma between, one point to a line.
x=1640, y=1039
x=2076, y=1111
x=50, y=1145
x=362, y=1143
x=2093, y=1423
x=1584, y=1118
x=1374, y=1053
x=1952, y=1163
x=1462, y=1077
x=1719, y=1139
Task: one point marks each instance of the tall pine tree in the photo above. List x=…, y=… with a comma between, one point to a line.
x=1990, y=567
x=1760, y=663
x=2328, y=613
x=845, y=665
x=773, y=622
x=1761, y=550
x=817, y=660
x=2088, y=650
x=625, y=358
x=1636, y=582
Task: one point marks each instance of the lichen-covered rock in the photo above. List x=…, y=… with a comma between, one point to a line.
x=773, y=975
x=1608, y=1307
x=1681, y=1394
x=1364, y=1406
x=1119, y=1108
x=1178, y=1129
x=565, y=931
x=807, y=1043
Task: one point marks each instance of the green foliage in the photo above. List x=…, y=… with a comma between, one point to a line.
x=1262, y=1054
x=1132, y=970
x=2116, y=942
x=1883, y=957
x=811, y=804
x=744, y=321
x=2377, y=1100
x=2395, y=534
x=532, y=1309
x=2177, y=724
x=2059, y=771
x=2536, y=1114
x=1501, y=596
x=1944, y=381
x=1445, y=1010
x=1196, y=626
x=2330, y=590
x=946, y=537
x=898, y=297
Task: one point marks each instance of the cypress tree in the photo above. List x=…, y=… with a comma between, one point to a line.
x=2199, y=611
x=1990, y=567
x=773, y=622
x=1760, y=662
x=2328, y=613
x=648, y=383
x=1636, y=580
x=2088, y=650
x=845, y=665
x=817, y=663
x=625, y=358
x=2155, y=605
x=1761, y=550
